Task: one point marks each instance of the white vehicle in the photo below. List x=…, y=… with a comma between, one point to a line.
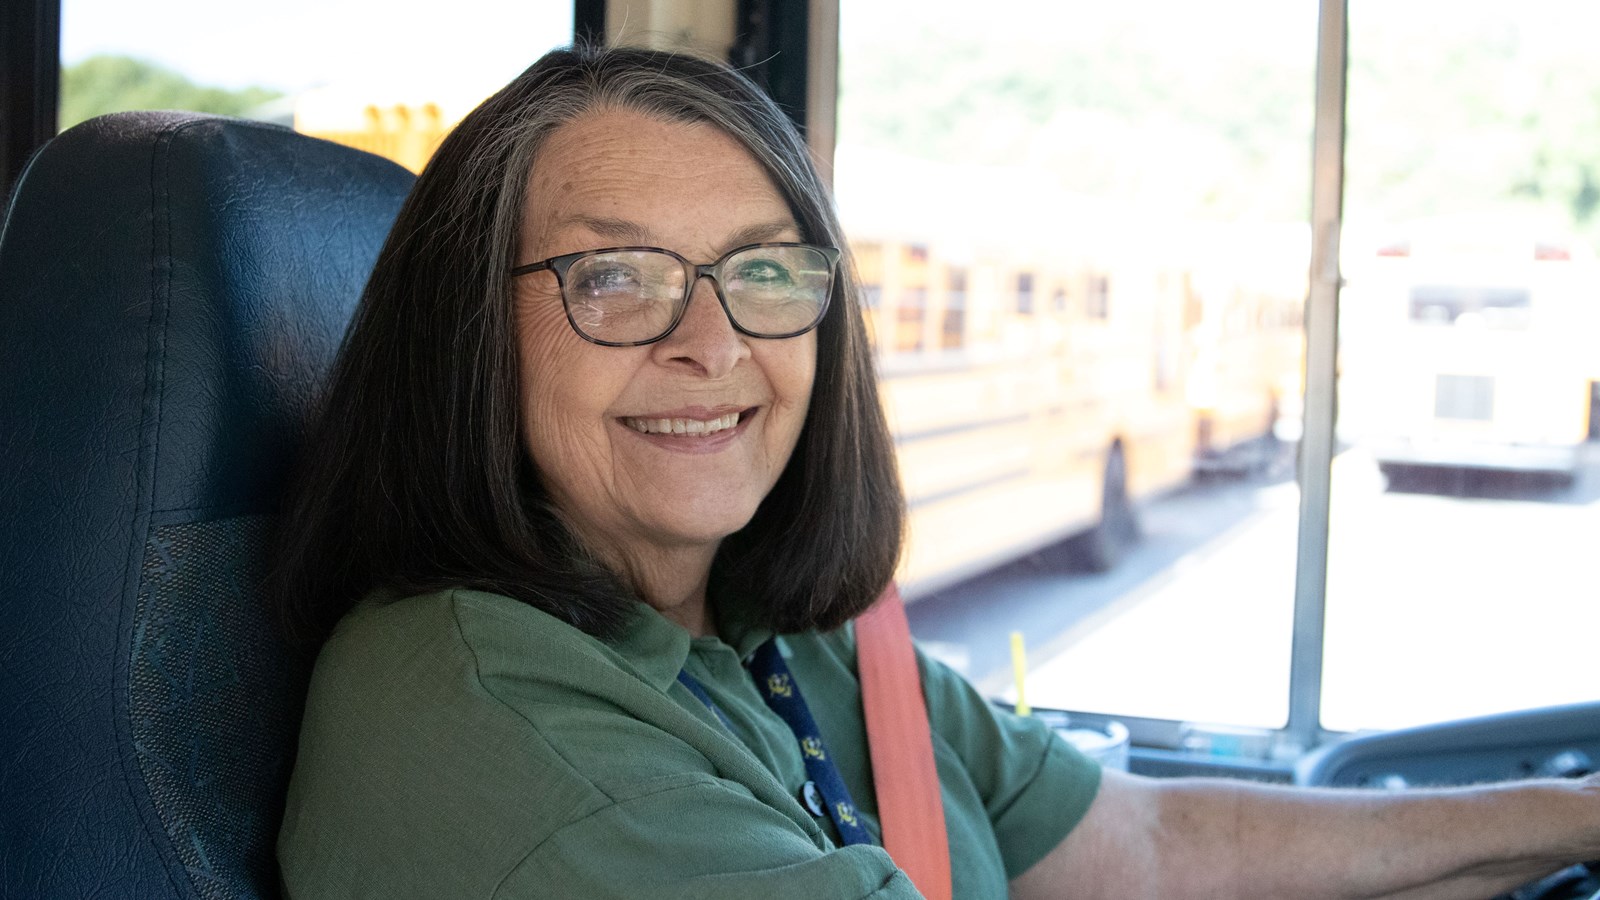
x=1463, y=347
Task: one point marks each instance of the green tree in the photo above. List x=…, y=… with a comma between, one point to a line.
x=1107, y=114
x=1496, y=111
x=108, y=83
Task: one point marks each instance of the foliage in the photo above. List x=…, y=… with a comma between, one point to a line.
x=1480, y=112
x=107, y=83
x=1104, y=117
x=1478, y=118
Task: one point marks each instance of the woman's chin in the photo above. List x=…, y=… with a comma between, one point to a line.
x=698, y=517
x=703, y=532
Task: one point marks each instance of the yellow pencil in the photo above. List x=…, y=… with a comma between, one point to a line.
x=1019, y=662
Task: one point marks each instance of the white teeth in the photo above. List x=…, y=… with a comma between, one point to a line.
x=683, y=426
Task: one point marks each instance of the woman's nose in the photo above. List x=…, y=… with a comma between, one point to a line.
x=705, y=338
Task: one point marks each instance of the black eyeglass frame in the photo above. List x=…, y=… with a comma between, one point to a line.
x=561, y=264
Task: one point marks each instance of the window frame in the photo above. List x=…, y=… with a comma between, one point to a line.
x=31, y=64
x=1174, y=747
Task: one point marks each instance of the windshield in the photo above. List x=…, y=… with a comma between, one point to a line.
x=1092, y=346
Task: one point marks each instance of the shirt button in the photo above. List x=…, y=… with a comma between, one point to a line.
x=812, y=798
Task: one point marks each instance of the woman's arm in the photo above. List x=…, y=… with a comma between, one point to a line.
x=1214, y=838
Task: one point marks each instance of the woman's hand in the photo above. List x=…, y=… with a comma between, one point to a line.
x=1214, y=838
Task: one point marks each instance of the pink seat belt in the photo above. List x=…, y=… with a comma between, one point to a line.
x=910, y=803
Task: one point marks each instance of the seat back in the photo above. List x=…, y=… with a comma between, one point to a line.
x=173, y=288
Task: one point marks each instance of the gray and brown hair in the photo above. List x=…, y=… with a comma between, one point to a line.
x=415, y=478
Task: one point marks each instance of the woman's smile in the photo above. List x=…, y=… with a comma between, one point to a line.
x=691, y=431
x=686, y=422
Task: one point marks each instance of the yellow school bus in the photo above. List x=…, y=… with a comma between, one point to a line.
x=1041, y=394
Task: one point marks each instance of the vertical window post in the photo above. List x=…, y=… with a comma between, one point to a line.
x=30, y=73
x=589, y=22
x=1322, y=320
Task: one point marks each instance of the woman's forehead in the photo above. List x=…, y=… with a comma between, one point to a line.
x=623, y=177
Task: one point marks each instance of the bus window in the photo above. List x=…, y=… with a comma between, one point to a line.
x=352, y=72
x=1594, y=410
x=1025, y=293
x=1466, y=500
x=955, y=309
x=1120, y=183
x=912, y=314
x=1097, y=297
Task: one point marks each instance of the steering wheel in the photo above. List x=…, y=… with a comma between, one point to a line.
x=1580, y=882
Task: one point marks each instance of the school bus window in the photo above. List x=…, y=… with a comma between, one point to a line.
x=1193, y=309
x=1097, y=299
x=1594, y=410
x=1025, y=293
x=911, y=313
x=953, y=334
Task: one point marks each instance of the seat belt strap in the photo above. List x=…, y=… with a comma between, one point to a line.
x=910, y=803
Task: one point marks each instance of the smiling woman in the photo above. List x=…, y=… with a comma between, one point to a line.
x=601, y=475
x=604, y=426
x=521, y=468
x=655, y=502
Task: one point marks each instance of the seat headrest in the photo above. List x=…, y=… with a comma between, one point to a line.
x=184, y=279
x=173, y=289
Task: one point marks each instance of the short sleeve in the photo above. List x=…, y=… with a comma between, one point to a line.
x=705, y=839
x=1035, y=787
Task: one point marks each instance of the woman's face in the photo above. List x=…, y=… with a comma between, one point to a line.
x=619, y=178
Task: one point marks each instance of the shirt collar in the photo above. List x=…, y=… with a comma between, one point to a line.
x=740, y=625
x=657, y=647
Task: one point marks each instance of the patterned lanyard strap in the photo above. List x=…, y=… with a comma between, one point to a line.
x=778, y=687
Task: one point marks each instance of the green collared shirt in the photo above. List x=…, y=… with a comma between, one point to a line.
x=465, y=745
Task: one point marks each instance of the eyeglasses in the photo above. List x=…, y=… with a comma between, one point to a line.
x=627, y=296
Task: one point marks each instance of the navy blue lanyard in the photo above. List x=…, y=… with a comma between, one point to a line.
x=687, y=680
x=782, y=693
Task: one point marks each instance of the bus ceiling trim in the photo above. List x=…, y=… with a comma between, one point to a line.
x=701, y=27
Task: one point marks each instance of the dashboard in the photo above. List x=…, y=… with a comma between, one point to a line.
x=1558, y=741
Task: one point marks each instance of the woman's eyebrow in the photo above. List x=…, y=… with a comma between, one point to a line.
x=620, y=230
x=756, y=234
x=629, y=233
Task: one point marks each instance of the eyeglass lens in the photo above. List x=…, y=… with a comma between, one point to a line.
x=633, y=296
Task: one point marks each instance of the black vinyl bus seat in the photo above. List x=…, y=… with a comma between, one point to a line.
x=173, y=288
